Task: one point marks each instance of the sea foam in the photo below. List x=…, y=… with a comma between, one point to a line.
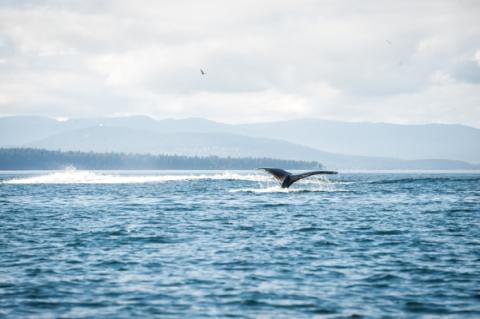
x=73, y=176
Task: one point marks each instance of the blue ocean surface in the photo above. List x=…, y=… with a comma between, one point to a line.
x=176, y=244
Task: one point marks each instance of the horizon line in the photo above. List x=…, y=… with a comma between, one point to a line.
x=117, y=116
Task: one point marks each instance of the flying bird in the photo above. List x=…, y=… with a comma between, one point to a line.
x=201, y=71
x=388, y=42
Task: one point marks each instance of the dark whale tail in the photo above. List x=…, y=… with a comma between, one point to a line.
x=286, y=179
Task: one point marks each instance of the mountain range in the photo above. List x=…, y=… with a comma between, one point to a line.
x=337, y=145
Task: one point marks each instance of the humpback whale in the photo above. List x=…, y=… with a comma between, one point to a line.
x=286, y=179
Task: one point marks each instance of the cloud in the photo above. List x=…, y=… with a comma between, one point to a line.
x=398, y=61
x=476, y=58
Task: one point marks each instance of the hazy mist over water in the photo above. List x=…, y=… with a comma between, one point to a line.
x=169, y=244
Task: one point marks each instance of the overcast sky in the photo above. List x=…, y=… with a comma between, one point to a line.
x=376, y=61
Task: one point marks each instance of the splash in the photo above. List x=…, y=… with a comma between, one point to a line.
x=312, y=184
x=277, y=189
x=265, y=182
x=73, y=176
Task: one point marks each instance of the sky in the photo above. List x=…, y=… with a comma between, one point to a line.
x=375, y=61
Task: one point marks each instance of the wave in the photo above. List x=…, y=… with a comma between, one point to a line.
x=73, y=176
x=278, y=189
x=270, y=190
x=408, y=180
x=274, y=189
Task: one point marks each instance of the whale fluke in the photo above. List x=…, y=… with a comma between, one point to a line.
x=286, y=179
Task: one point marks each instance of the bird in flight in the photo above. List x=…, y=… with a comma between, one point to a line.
x=201, y=71
x=388, y=42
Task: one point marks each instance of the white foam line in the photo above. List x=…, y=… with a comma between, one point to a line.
x=265, y=190
x=278, y=189
x=286, y=190
x=89, y=177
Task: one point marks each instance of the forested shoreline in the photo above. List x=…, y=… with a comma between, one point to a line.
x=41, y=159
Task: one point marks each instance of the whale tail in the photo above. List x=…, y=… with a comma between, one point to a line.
x=286, y=179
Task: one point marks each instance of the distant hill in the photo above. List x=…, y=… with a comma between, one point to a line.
x=455, y=142
x=19, y=130
x=117, y=139
x=354, y=144
x=35, y=159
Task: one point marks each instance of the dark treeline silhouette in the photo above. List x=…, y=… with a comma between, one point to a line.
x=40, y=159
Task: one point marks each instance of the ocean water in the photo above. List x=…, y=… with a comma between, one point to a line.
x=169, y=244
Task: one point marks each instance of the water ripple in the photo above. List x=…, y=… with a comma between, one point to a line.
x=208, y=245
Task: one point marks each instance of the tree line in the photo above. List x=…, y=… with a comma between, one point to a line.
x=41, y=159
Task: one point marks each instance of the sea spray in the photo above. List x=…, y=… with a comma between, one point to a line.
x=73, y=176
